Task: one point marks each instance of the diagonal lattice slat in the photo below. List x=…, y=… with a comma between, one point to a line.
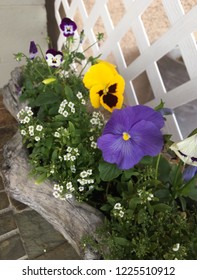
x=179, y=34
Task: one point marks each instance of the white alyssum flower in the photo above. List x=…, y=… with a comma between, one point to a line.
x=68, y=195
x=37, y=138
x=117, y=206
x=57, y=134
x=39, y=127
x=23, y=132
x=81, y=189
x=176, y=247
x=79, y=95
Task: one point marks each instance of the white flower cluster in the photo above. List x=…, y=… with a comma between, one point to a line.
x=118, y=210
x=58, y=189
x=24, y=115
x=145, y=195
x=33, y=131
x=80, y=97
x=66, y=108
x=85, y=180
x=72, y=154
x=97, y=119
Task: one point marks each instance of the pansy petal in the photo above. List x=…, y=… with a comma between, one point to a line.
x=112, y=101
x=186, y=150
x=148, y=137
x=189, y=172
x=142, y=112
x=100, y=73
x=94, y=96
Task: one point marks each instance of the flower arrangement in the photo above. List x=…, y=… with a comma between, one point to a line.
x=121, y=164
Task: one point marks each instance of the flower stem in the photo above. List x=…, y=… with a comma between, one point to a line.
x=157, y=166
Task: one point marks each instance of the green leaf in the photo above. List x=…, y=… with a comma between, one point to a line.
x=190, y=189
x=161, y=207
x=46, y=98
x=108, y=171
x=133, y=202
x=130, y=172
x=80, y=55
x=121, y=241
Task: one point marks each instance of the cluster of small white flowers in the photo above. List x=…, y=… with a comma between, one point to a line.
x=72, y=154
x=145, y=195
x=93, y=143
x=80, y=97
x=57, y=190
x=66, y=108
x=97, y=119
x=85, y=180
x=24, y=115
x=118, y=210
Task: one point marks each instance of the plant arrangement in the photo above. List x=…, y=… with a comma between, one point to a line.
x=121, y=163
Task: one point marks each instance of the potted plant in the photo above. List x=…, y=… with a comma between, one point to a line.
x=142, y=185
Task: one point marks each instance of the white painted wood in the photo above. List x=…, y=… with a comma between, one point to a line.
x=180, y=34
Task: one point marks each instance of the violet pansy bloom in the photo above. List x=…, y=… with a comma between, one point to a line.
x=68, y=27
x=130, y=134
x=32, y=50
x=54, y=58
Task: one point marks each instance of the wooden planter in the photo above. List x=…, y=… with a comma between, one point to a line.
x=72, y=219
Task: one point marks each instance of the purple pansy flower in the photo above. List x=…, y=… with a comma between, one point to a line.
x=189, y=172
x=32, y=50
x=68, y=27
x=130, y=134
x=54, y=58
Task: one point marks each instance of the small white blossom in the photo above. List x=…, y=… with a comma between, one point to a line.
x=89, y=171
x=23, y=132
x=39, y=127
x=117, y=206
x=56, y=194
x=83, y=174
x=69, y=185
x=79, y=95
x=93, y=145
x=69, y=149
x=83, y=102
x=68, y=195
x=176, y=247
x=81, y=189
x=121, y=213
x=57, y=134
x=26, y=119
x=73, y=158
x=65, y=114
x=37, y=138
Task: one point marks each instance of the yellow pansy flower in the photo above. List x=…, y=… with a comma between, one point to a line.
x=106, y=86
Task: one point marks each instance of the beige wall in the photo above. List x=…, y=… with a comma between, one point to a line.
x=21, y=21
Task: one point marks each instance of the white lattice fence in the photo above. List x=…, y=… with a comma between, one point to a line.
x=180, y=33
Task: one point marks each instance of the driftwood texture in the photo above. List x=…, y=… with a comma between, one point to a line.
x=72, y=219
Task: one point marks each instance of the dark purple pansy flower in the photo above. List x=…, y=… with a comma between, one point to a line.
x=189, y=172
x=68, y=27
x=54, y=58
x=32, y=50
x=130, y=134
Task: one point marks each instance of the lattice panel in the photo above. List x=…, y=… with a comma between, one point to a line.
x=128, y=44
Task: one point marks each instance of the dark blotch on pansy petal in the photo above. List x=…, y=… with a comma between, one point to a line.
x=54, y=52
x=110, y=99
x=68, y=27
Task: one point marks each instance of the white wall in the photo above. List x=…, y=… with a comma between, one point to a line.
x=20, y=22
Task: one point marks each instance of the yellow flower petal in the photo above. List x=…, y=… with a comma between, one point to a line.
x=49, y=81
x=100, y=73
x=94, y=96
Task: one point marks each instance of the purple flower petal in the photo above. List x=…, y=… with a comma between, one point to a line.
x=189, y=172
x=68, y=27
x=32, y=50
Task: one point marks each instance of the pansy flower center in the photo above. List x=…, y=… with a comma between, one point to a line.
x=68, y=29
x=126, y=136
